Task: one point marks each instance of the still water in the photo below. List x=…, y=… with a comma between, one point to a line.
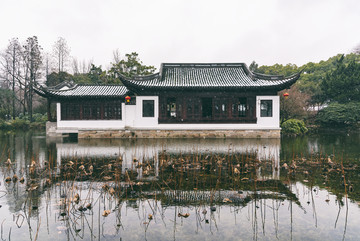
x=180, y=189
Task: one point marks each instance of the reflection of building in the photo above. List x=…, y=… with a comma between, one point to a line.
x=182, y=100
x=151, y=149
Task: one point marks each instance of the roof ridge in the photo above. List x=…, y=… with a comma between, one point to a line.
x=139, y=78
x=106, y=91
x=268, y=76
x=202, y=65
x=99, y=84
x=60, y=90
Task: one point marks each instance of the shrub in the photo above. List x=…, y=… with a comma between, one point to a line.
x=23, y=122
x=20, y=124
x=40, y=118
x=4, y=125
x=23, y=117
x=293, y=127
x=339, y=115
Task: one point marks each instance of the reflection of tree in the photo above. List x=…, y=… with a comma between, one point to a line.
x=22, y=149
x=168, y=187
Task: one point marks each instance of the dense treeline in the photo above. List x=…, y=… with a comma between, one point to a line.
x=25, y=65
x=326, y=94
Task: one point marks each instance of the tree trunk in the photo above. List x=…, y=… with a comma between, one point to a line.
x=31, y=94
x=13, y=83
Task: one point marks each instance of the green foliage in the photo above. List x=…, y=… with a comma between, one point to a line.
x=81, y=79
x=6, y=97
x=339, y=115
x=98, y=76
x=293, y=127
x=23, y=117
x=254, y=66
x=40, y=118
x=314, y=74
x=3, y=114
x=343, y=84
x=20, y=124
x=278, y=69
x=131, y=66
x=23, y=122
x=54, y=79
x=4, y=125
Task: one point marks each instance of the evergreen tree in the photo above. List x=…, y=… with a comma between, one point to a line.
x=131, y=66
x=343, y=84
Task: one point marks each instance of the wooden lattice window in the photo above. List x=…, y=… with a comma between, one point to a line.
x=171, y=107
x=242, y=107
x=117, y=110
x=75, y=112
x=86, y=110
x=220, y=108
x=91, y=110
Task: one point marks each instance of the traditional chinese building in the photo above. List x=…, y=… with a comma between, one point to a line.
x=181, y=100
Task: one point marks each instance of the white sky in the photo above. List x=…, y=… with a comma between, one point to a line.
x=161, y=31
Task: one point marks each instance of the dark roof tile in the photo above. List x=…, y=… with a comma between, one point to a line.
x=208, y=76
x=85, y=91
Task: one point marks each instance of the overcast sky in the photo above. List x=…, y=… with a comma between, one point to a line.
x=161, y=31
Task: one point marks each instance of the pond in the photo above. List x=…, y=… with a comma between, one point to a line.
x=304, y=188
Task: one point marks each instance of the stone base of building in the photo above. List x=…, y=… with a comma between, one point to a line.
x=51, y=129
x=83, y=134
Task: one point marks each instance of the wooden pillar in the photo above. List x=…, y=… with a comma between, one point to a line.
x=81, y=105
x=230, y=101
x=183, y=107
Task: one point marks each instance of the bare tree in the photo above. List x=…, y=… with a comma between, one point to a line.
x=80, y=67
x=86, y=66
x=61, y=53
x=75, y=66
x=116, y=56
x=48, y=65
x=11, y=65
x=33, y=62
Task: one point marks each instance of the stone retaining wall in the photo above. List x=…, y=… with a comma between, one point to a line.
x=51, y=128
x=83, y=134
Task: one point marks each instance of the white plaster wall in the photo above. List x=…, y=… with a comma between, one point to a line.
x=89, y=124
x=129, y=115
x=132, y=119
x=273, y=121
x=151, y=123
x=146, y=122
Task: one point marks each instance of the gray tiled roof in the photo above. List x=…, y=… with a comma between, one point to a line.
x=179, y=76
x=208, y=76
x=85, y=91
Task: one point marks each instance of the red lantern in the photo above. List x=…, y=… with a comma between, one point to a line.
x=127, y=98
x=286, y=95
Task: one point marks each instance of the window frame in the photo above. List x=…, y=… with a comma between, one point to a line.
x=91, y=110
x=148, y=113
x=268, y=110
